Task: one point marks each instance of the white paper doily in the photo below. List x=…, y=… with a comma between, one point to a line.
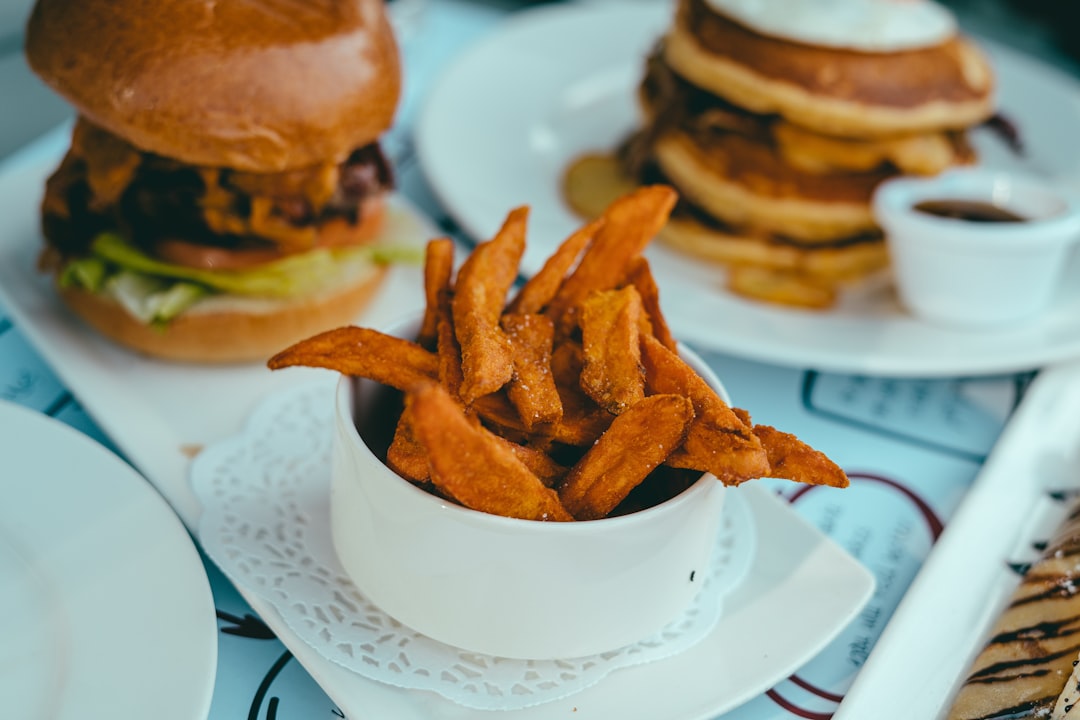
x=266, y=524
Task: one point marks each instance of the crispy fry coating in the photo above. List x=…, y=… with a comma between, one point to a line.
x=469, y=465
x=792, y=459
x=479, y=295
x=607, y=472
x=567, y=359
x=539, y=462
x=532, y=388
x=362, y=352
x=450, y=375
x=406, y=456
x=582, y=423
x=538, y=291
x=641, y=277
x=438, y=268
x=611, y=373
x=719, y=441
x=629, y=224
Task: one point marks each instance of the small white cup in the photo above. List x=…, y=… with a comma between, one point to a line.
x=962, y=273
x=508, y=587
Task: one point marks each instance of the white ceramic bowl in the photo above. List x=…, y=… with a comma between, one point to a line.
x=977, y=274
x=509, y=587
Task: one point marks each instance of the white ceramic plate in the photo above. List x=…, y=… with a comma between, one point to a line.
x=508, y=115
x=105, y=608
x=967, y=580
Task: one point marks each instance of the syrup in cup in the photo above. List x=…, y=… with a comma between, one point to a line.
x=977, y=248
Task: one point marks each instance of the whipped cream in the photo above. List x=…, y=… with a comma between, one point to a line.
x=865, y=25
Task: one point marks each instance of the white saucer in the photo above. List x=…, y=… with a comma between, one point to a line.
x=799, y=592
x=105, y=608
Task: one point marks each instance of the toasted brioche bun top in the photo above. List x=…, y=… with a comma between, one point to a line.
x=256, y=85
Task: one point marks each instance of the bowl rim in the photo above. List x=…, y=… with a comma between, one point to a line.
x=344, y=417
x=894, y=200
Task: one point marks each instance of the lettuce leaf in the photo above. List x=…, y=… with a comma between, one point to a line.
x=152, y=300
x=292, y=276
x=157, y=291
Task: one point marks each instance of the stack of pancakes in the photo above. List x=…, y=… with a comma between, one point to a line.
x=776, y=145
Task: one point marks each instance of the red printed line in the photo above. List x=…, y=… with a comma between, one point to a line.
x=933, y=522
x=815, y=689
x=795, y=710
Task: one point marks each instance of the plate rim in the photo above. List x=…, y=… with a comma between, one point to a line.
x=1007, y=351
x=181, y=591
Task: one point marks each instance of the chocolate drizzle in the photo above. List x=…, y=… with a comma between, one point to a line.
x=1030, y=656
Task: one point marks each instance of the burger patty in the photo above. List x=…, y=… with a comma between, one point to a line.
x=106, y=183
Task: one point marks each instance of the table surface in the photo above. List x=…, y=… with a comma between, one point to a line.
x=912, y=446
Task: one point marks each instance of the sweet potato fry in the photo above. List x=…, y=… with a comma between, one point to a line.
x=792, y=459
x=539, y=462
x=610, y=340
x=538, y=291
x=641, y=277
x=629, y=224
x=438, y=268
x=362, y=352
x=608, y=471
x=532, y=388
x=471, y=466
x=567, y=359
x=450, y=376
x=406, y=456
x=479, y=295
x=719, y=441
x=582, y=422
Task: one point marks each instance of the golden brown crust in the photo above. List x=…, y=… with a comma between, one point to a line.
x=834, y=263
x=743, y=184
x=920, y=154
x=837, y=92
x=225, y=335
x=251, y=84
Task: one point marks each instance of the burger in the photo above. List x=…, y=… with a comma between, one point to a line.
x=224, y=194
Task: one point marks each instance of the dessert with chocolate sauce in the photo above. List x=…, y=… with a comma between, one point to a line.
x=1028, y=668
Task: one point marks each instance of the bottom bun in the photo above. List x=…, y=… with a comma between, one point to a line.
x=228, y=329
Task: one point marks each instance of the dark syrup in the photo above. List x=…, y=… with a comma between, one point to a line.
x=970, y=210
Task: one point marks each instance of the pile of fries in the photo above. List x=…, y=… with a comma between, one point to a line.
x=570, y=401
